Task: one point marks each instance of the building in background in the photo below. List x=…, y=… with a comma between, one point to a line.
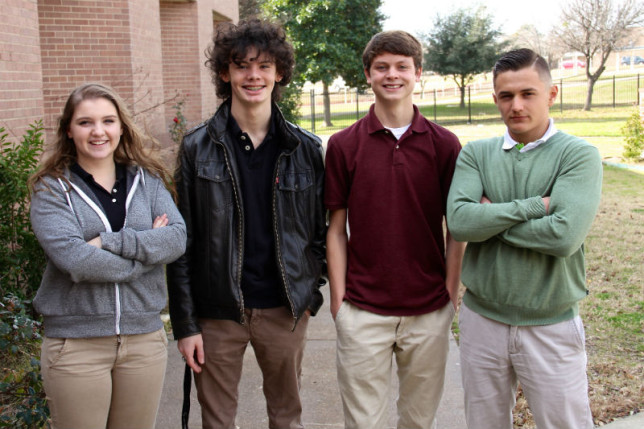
x=150, y=51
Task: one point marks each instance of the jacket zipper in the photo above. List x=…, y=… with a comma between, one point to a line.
x=240, y=235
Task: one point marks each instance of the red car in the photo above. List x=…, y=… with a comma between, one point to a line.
x=569, y=64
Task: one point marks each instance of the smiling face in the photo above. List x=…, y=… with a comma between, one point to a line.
x=392, y=77
x=252, y=79
x=96, y=130
x=524, y=100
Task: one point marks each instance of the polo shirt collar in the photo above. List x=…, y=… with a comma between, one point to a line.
x=509, y=142
x=418, y=123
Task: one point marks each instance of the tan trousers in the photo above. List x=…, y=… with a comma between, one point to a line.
x=98, y=383
x=367, y=342
x=279, y=351
x=549, y=361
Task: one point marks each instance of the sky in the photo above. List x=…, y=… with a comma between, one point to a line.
x=417, y=16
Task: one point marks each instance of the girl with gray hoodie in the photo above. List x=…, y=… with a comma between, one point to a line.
x=102, y=211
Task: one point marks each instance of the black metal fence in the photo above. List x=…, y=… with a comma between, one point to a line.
x=443, y=105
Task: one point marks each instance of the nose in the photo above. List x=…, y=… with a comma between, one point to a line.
x=98, y=129
x=517, y=104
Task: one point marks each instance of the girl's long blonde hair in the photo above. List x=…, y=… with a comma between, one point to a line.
x=135, y=147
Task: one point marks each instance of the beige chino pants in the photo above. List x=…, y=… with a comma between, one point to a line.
x=368, y=342
x=106, y=382
x=549, y=361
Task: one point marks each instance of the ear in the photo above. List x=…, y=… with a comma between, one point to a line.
x=496, y=100
x=367, y=75
x=552, y=95
x=225, y=76
x=419, y=71
x=278, y=78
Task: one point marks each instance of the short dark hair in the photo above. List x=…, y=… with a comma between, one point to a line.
x=231, y=43
x=518, y=59
x=393, y=42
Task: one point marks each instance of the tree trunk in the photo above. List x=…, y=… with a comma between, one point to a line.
x=327, y=104
x=589, y=94
x=462, y=88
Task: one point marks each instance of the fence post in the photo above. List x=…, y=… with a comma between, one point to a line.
x=434, y=104
x=313, y=111
x=357, y=105
x=561, y=95
x=637, y=95
x=613, y=91
x=469, y=104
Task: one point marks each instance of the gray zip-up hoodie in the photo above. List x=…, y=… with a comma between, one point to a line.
x=119, y=289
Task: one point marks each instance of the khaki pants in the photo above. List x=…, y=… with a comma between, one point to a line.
x=549, y=361
x=279, y=351
x=98, y=383
x=367, y=342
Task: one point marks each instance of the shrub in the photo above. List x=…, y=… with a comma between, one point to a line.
x=22, y=260
x=633, y=132
x=179, y=124
x=21, y=394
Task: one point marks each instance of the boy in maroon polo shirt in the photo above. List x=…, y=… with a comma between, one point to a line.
x=394, y=281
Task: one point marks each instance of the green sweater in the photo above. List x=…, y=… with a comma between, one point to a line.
x=523, y=266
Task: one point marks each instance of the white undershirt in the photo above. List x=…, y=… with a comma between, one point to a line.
x=398, y=132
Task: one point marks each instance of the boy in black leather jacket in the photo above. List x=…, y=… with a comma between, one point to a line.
x=250, y=187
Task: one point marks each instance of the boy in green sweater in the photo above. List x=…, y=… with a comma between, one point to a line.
x=525, y=203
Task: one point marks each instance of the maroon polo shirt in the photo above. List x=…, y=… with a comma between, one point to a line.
x=395, y=192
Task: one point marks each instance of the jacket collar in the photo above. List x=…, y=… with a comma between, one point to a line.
x=218, y=129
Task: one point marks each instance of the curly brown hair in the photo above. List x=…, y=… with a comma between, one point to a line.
x=135, y=147
x=231, y=44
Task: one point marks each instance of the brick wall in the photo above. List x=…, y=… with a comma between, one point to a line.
x=147, y=50
x=182, y=59
x=20, y=73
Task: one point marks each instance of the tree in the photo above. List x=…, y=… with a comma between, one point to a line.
x=528, y=36
x=596, y=28
x=462, y=45
x=249, y=8
x=329, y=37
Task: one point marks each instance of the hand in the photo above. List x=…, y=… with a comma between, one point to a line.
x=546, y=202
x=96, y=242
x=485, y=200
x=160, y=221
x=188, y=347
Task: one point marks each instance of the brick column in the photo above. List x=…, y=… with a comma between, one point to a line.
x=20, y=67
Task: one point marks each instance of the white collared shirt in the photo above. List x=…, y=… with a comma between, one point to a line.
x=509, y=142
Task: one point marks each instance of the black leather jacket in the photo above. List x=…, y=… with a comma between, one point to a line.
x=206, y=281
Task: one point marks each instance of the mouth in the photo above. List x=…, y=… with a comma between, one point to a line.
x=392, y=86
x=254, y=88
x=99, y=142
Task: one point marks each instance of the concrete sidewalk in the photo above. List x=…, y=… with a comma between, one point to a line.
x=320, y=397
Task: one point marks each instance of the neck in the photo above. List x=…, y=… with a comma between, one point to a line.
x=254, y=119
x=103, y=171
x=394, y=116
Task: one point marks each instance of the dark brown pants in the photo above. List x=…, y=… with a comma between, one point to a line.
x=279, y=352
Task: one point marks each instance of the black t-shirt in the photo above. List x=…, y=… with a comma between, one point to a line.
x=260, y=275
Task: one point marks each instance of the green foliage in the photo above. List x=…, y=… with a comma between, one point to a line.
x=21, y=394
x=179, y=124
x=634, y=135
x=22, y=261
x=290, y=102
x=462, y=45
x=328, y=36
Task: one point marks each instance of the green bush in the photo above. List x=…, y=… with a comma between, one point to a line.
x=634, y=135
x=22, y=260
x=21, y=394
